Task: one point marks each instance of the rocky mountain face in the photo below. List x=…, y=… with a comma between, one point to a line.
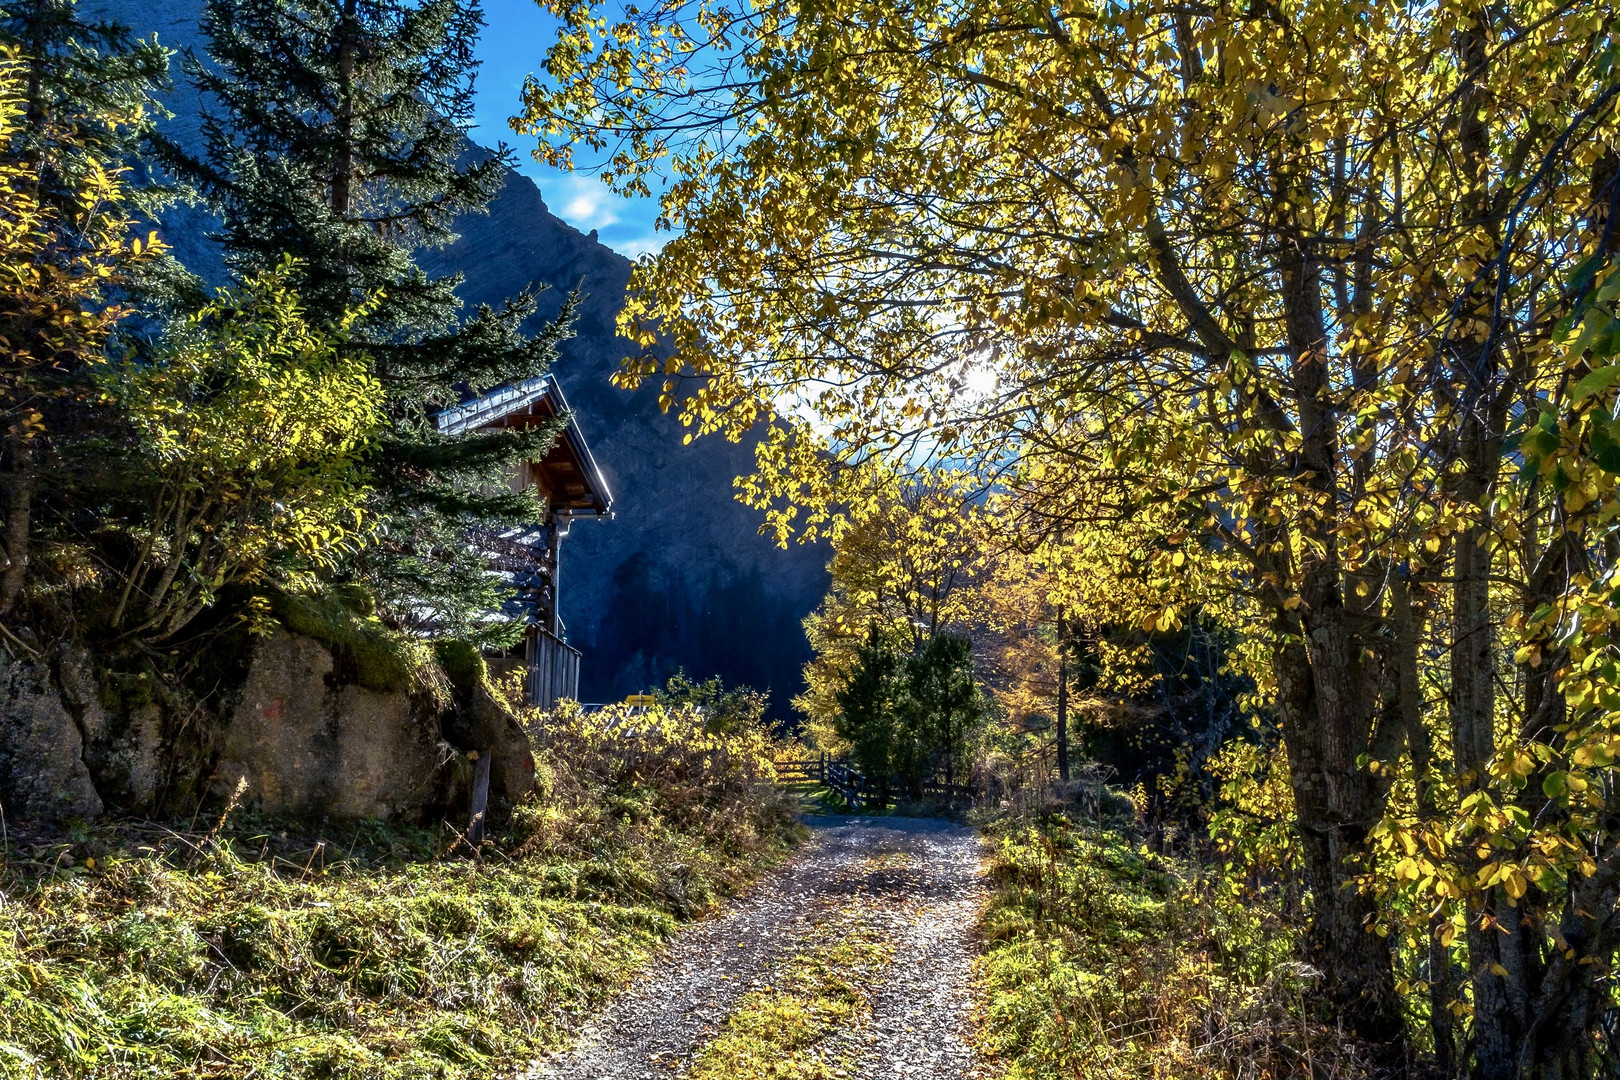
x=680, y=578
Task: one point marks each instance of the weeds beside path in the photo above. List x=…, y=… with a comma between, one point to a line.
x=362, y=951
x=854, y=960
x=1105, y=960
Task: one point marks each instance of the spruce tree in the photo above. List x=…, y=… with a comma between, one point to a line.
x=942, y=703
x=89, y=91
x=335, y=134
x=868, y=710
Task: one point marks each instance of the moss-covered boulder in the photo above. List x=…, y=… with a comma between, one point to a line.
x=304, y=741
x=324, y=714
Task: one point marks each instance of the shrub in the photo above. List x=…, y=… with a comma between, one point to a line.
x=660, y=781
x=251, y=424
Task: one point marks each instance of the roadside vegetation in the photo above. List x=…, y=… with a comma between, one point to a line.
x=1145, y=915
x=1105, y=959
x=1155, y=305
x=371, y=951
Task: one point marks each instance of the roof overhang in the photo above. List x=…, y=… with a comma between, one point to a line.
x=534, y=401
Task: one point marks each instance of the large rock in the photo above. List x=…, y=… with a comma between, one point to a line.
x=42, y=771
x=308, y=745
x=131, y=762
x=477, y=721
x=302, y=741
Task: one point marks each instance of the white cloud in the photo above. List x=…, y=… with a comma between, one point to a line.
x=586, y=204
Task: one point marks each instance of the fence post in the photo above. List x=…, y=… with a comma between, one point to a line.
x=480, y=800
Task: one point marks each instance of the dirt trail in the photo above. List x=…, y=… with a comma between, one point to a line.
x=916, y=879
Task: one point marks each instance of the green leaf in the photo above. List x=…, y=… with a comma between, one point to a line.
x=1605, y=451
x=1596, y=382
x=1553, y=786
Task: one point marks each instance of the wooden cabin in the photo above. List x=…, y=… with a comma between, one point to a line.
x=571, y=484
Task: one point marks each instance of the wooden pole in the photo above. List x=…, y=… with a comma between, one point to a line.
x=1063, y=700
x=554, y=537
x=480, y=799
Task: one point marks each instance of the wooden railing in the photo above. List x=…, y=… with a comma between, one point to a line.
x=553, y=670
x=856, y=789
x=802, y=768
x=506, y=553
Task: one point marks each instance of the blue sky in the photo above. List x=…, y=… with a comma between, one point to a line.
x=514, y=44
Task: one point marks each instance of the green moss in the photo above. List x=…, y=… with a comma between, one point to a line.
x=783, y=1032
x=356, y=597
x=463, y=664
x=370, y=653
x=245, y=962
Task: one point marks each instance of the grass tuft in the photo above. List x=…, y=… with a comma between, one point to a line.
x=786, y=1031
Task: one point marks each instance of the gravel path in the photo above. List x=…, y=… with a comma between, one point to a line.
x=918, y=878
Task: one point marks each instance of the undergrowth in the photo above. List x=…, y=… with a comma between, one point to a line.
x=370, y=951
x=1106, y=961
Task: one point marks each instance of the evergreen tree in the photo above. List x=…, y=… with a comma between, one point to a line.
x=942, y=702
x=335, y=134
x=868, y=710
x=86, y=94
x=909, y=716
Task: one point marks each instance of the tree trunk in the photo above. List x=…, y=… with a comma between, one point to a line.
x=1063, y=700
x=1328, y=671
x=1494, y=934
x=1407, y=615
x=343, y=170
x=479, y=804
x=1557, y=1043
x=19, y=521
x=1357, y=975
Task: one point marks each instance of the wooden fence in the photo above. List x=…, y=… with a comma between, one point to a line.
x=858, y=790
x=553, y=670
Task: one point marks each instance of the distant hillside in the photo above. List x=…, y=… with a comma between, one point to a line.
x=680, y=578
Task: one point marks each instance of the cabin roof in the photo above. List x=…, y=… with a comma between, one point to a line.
x=578, y=487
